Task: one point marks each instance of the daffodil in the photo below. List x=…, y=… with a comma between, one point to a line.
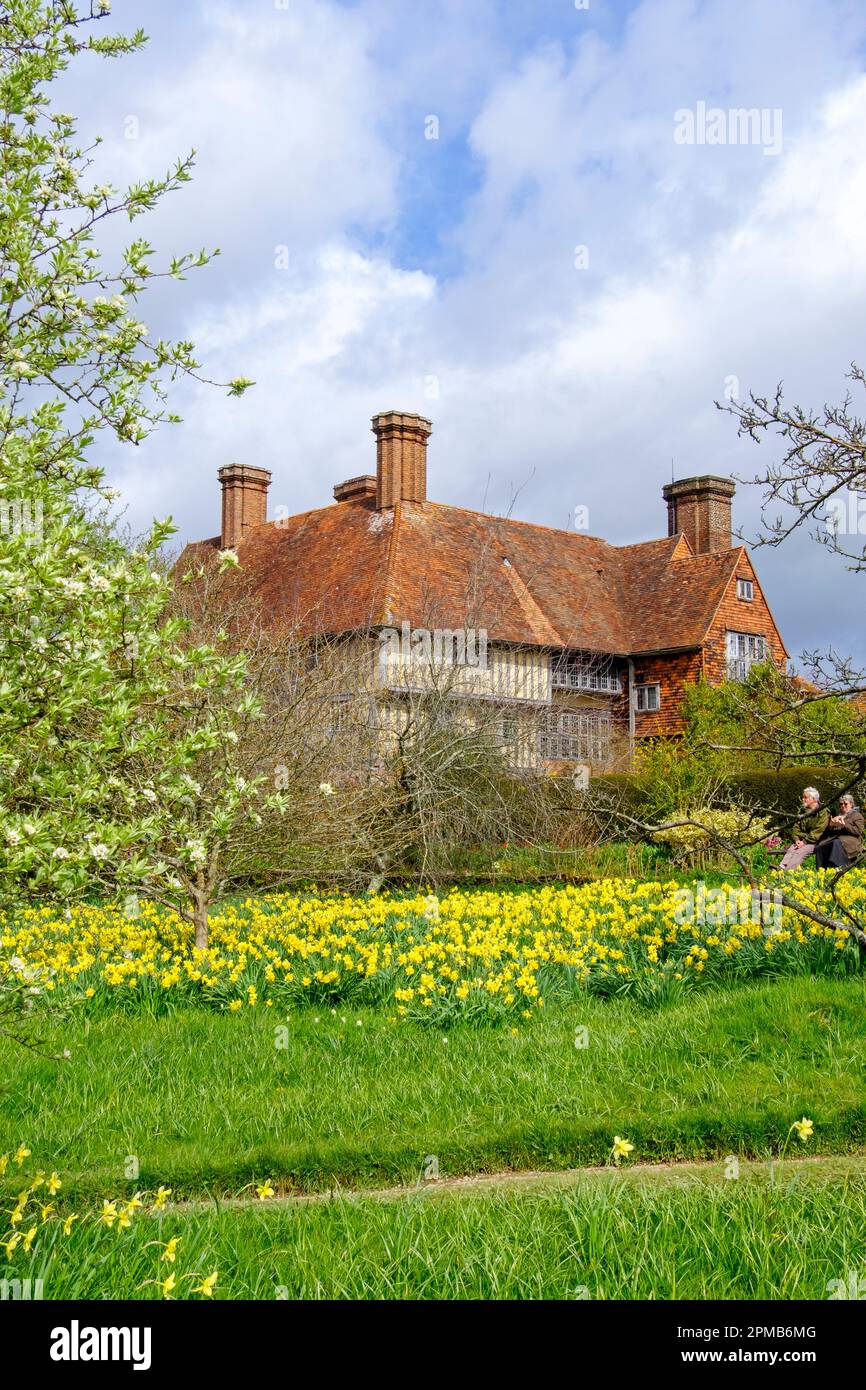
x=621, y=1148
x=477, y=947
x=265, y=1190
x=108, y=1215
x=207, y=1286
x=170, y=1251
x=21, y=1153
x=805, y=1129
x=161, y=1198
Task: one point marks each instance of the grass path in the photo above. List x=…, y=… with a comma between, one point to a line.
x=796, y=1168
x=677, y=1231
x=206, y=1103
x=343, y=1120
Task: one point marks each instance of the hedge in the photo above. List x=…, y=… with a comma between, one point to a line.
x=777, y=791
x=780, y=790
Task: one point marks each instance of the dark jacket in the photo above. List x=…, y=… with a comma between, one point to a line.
x=812, y=825
x=850, y=835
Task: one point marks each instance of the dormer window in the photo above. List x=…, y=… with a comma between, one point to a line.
x=745, y=590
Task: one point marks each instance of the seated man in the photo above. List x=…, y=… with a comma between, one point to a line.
x=842, y=841
x=808, y=829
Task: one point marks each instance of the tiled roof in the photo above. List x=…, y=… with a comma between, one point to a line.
x=350, y=567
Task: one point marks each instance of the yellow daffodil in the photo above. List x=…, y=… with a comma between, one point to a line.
x=265, y=1190
x=805, y=1128
x=170, y=1251
x=108, y=1215
x=451, y=953
x=621, y=1148
x=207, y=1286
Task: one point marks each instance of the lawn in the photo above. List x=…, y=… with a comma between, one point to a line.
x=237, y=1079
x=797, y=1233
x=205, y=1100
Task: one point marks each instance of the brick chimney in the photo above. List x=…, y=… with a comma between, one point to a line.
x=245, y=501
x=361, y=489
x=401, y=457
x=701, y=509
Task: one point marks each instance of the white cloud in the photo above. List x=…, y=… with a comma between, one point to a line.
x=705, y=262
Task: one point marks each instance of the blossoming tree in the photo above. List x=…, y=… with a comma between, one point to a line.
x=90, y=666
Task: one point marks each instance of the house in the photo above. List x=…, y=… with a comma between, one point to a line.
x=581, y=647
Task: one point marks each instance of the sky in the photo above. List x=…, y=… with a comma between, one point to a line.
x=489, y=212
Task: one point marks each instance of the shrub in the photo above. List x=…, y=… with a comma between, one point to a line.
x=693, y=844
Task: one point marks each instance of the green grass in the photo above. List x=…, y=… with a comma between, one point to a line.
x=612, y=1236
x=208, y=1102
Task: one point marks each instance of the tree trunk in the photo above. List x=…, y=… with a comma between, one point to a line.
x=200, y=918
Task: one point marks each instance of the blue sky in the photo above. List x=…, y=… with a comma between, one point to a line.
x=440, y=275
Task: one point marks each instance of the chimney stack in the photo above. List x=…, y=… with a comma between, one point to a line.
x=401, y=457
x=701, y=509
x=245, y=501
x=361, y=489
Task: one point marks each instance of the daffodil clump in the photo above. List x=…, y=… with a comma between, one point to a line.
x=465, y=954
x=35, y=1225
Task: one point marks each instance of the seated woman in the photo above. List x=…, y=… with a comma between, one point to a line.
x=842, y=841
x=808, y=830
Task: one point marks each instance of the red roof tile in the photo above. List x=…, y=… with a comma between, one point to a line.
x=349, y=567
